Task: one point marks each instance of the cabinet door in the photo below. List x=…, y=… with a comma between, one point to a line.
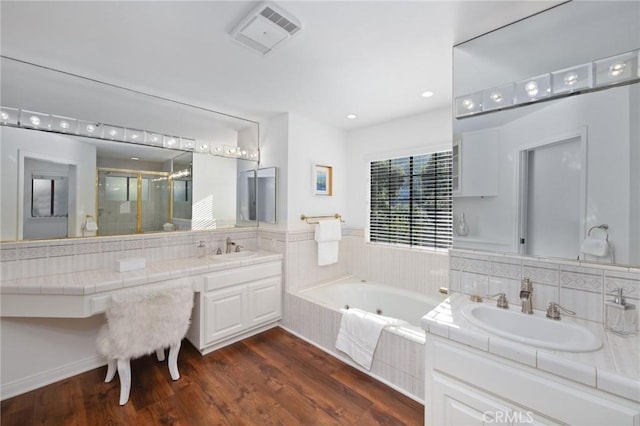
x=265, y=300
x=478, y=164
x=453, y=403
x=225, y=313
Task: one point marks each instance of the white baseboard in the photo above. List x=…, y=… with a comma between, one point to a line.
x=29, y=383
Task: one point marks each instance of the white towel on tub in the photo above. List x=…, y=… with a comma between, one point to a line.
x=359, y=334
x=328, y=236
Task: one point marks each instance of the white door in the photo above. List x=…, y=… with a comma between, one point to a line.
x=553, y=199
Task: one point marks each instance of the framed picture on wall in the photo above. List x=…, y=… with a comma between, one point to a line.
x=322, y=180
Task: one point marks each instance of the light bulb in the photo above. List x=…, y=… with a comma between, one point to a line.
x=468, y=104
x=352, y=116
x=496, y=97
x=154, y=138
x=531, y=88
x=91, y=128
x=64, y=124
x=570, y=79
x=203, y=147
x=134, y=136
x=113, y=132
x=427, y=94
x=617, y=69
x=171, y=142
x=34, y=120
x=4, y=116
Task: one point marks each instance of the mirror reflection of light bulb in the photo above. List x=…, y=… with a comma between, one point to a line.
x=467, y=103
x=531, y=88
x=617, y=69
x=496, y=97
x=91, y=128
x=171, y=142
x=4, y=116
x=134, y=136
x=570, y=79
x=34, y=120
x=113, y=132
x=64, y=124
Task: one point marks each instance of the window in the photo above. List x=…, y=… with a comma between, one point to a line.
x=410, y=201
x=49, y=196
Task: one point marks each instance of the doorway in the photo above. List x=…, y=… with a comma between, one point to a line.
x=552, y=197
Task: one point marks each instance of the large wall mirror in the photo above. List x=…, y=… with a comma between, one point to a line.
x=547, y=135
x=83, y=158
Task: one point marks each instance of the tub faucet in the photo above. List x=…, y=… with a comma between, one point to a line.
x=526, y=296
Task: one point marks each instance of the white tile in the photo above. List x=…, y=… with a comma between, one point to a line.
x=513, y=351
x=541, y=275
x=469, y=337
x=582, y=281
x=543, y=294
x=8, y=270
x=475, y=284
x=510, y=287
x=618, y=385
x=571, y=370
x=438, y=329
x=585, y=304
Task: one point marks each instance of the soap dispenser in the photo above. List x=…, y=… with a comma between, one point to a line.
x=620, y=317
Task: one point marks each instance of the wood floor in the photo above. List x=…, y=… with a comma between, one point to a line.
x=272, y=378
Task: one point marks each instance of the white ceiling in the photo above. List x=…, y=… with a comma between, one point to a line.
x=371, y=58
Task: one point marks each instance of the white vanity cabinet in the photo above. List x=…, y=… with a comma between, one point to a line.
x=236, y=303
x=475, y=164
x=467, y=386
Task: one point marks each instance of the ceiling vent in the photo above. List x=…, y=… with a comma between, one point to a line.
x=265, y=27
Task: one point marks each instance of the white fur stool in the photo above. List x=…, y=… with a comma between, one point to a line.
x=143, y=321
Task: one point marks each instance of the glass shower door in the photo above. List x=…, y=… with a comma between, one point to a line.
x=132, y=202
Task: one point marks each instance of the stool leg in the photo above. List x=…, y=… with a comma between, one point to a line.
x=173, y=361
x=124, y=372
x=111, y=370
x=160, y=354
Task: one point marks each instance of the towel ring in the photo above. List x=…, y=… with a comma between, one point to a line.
x=604, y=227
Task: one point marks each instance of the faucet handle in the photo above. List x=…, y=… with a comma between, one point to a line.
x=553, y=311
x=502, y=301
x=238, y=247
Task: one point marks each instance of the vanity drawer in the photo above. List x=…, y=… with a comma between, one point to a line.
x=241, y=275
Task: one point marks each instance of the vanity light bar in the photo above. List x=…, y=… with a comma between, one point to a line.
x=603, y=73
x=15, y=117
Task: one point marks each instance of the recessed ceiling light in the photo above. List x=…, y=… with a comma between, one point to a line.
x=351, y=116
x=135, y=158
x=427, y=94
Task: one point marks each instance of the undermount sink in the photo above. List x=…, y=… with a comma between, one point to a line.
x=237, y=255
x=533, y=330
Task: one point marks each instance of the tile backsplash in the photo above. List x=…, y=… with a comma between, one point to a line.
x=26, y=259
x=578, y=286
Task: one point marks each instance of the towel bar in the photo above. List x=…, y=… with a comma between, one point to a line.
x=315, y=218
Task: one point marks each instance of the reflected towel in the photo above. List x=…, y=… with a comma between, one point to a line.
x=328, y=234
x=359, y=334
x=596, y=243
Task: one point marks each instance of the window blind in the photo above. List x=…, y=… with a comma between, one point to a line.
x=410, y=200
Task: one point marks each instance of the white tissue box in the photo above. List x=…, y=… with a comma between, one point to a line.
x=124, y=265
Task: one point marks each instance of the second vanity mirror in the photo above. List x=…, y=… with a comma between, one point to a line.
x=547, y=136
x=86, y=158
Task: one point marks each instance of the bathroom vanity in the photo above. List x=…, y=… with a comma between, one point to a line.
x=477, y=377
x=236, y=295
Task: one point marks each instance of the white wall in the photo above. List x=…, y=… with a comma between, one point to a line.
x=214, y=191
x=416, y=134
x=610, y=143
x=50, y=147
x=274, y=143
x=311, y=142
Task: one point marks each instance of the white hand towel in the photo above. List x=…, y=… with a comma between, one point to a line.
x=328, y=235
x=594, y=247
x=596, y=243
x=359, y=334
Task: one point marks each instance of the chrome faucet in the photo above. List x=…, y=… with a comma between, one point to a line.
x=526, y=296
x=229, y=245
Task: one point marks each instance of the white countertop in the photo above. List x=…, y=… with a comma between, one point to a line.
x=39, y=293
x=614, y=368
